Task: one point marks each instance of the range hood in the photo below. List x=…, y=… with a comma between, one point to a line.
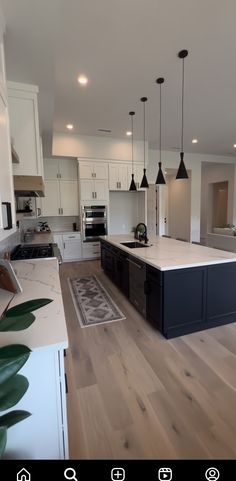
x=28, y=186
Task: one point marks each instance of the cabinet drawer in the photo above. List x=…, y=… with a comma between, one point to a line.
x=71, y=236
x=91, y=250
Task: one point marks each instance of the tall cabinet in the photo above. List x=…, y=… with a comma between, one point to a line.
x=61, y=188
x=6, y=183
x=24, y=128
x=93, y=182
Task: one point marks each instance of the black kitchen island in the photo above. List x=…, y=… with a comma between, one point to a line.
x=179, y=287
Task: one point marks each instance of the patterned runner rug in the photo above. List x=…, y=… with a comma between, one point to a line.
x=92, y=302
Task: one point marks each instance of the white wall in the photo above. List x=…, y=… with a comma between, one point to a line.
x=211, y=173
x=125, y=211
x=85, y=146
x=179, y=196
x=193, y=162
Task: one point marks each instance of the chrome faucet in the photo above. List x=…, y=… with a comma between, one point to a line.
x=141, y=234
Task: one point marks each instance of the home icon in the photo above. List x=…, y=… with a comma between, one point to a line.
x=23, y=475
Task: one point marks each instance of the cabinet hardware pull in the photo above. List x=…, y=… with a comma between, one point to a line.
x=66, y=384
x=62, y=210
x=59, y=210
x=135, y=264
x=95, y=195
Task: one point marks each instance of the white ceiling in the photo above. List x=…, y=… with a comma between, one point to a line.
x=123, y=46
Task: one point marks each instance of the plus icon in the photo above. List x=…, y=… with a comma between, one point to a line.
x=117, y=474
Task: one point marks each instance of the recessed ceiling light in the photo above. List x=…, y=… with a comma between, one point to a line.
x=194, y=141
x=128, y=133
x=70, y=126
x=235, y=146
x=82, y=79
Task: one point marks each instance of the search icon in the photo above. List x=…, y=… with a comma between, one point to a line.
x=70, y=473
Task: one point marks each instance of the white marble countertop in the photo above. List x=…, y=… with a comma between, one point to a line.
x=38, y=278
x=166, y=254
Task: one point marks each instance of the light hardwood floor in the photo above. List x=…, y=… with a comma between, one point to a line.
x=135, y=395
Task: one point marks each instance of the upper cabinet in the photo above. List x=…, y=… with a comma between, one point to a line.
x=24, y=128
x=63, y=168
x=6, y=180
x=93, y=181
x=61, y=187
x=93, y=170
x=120, y=175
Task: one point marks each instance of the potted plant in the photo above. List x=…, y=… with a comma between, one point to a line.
x=12, y=358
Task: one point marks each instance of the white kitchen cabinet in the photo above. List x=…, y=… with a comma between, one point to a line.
x=63, y=168
x=6, y=179
x=93, y=170
x=91, y=250
x=94, y=190
x=24, y=128
x=118, y=176
x=44, y=434
x=61, y=198
x=69, y=244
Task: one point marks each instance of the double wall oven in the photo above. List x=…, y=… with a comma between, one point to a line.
x=94, y=222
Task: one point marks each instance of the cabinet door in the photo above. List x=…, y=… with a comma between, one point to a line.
x=101, y=189
x=100, y=170
x=72, y=249
x=68, y=169
x=51, y=201
x=153, y=289
x=44, y=434
x=24, y=128
x=69, y=197
x=51, y=169
x=113, y=177
x=138, y=174
x=57, y=238
x=123, y=177
x=87, y=190
x=85, y=170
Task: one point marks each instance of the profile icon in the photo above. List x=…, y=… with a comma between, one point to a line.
x=212, y=474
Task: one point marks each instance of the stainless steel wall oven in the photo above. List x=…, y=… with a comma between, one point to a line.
x=94, y=222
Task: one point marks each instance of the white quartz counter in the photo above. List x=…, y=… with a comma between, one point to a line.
x=38, y=278
x=166, y=254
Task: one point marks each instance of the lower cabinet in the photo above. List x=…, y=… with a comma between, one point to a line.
x=153, y=291
x=176, y=301
x=69, y=245
x=137, y=279
x=44, y=434
x=91, y=250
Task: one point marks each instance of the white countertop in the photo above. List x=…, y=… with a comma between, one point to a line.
x=166, y=254
x=38, y=278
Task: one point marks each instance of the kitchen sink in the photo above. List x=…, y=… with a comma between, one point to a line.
x=133, y=245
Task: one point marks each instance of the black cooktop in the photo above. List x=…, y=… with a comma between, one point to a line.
x=32, y=251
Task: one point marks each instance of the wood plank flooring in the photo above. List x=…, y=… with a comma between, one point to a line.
x=135, y=395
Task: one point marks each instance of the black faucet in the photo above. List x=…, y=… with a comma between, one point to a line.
x=141, y=235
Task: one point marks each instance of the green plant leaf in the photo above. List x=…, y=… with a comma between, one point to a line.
x=13, y=417
x=12, y=391
x=26, y=307
x=3, y=439
x=12, y=358
x=16, y=323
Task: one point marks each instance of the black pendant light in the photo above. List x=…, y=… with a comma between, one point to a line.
x=144, y=182
x=182, y=172
x=160, y=177
x=132, y=183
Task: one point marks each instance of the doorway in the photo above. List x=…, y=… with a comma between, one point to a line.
x=177, y=221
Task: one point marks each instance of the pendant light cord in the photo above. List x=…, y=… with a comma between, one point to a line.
x=160, y=125
x=144, y=133
x=132, y=149
x=182, y=133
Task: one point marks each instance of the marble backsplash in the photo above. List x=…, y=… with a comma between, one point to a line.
x=9, y=243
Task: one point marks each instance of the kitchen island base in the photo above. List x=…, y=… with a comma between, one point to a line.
x=177, y=301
